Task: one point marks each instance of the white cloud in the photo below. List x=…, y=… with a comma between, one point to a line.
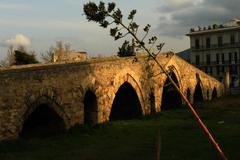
x=170, y=6
x=19, y=40
x=48, y=24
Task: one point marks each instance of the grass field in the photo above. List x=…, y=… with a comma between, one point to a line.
x=181, y=138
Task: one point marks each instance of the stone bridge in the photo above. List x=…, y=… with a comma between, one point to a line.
x=96, y=91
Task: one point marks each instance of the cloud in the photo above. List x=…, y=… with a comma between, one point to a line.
x=16, y=7
x=176, y=17
x=176, y=5
x=19, y=40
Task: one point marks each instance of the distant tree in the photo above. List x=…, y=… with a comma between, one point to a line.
x=214, y=26
x=22, y=57
x=67, y=46
x=10, y=59
x=199, y=28
x=48, y=55
x=59, y=46
x=19, y=56
x=221, y=26
x=126, y=50
x=62, y=46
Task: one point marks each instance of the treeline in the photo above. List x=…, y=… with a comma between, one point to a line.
x=21, y=56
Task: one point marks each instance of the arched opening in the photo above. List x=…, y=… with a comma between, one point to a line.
x=207, y=94
x=43, y=122
x=90, y=108
x=189, y=95
x=214, y=93
x=171, y=97
x=152, y=103
x=198, y=94
x=126, y=104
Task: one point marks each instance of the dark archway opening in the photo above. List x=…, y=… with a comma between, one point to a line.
x=171, y=98
x=43, y=122
x=90, y=108
x=214, y=93
x=198, y=94
x=152, y=103
x=189, y=95
x=126, y=104
x=207, y=94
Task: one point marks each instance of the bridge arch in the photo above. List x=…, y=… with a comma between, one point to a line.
x=152, y=102
x=91, y=94
x=214, y=93
x=171, y=98
x=123, y=81
x=198, y=92
x=126, y=103
x=176, y=72
x=45, y=116
x=90, y=108
x=188, y=95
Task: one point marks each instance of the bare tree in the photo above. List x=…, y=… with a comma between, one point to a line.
x=67, y=46
x=48, y=55
x=10, y=59
x=62, y=46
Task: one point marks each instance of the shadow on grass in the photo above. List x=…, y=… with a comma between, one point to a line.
x=181, y=137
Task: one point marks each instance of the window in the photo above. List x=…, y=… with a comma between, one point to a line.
x=218, y=70
x=210, y=70
x=233, y=69
x=230, y=69
x=197, y=59
x=235, y=57
x=197, y=43
x=220, y=41
x=222, y=69
x=232, y=39
x=206, y=69
x=208, y=57
x=208, y=43
x=230, y=57
x=223, y=60
x=217, y=58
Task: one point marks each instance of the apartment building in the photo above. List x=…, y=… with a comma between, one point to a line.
x=215, y=49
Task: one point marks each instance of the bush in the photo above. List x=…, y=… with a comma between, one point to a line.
x=22, y=57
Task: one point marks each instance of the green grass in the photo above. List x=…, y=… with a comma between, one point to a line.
x=181, y=138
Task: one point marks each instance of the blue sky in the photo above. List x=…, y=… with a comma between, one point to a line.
x=43, y=22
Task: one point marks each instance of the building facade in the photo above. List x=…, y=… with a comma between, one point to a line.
x=216, y=50
x=69, y=55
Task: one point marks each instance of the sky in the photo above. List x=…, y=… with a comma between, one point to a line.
x=38, y=24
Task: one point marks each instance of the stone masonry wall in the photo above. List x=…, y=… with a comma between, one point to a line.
x=63, y=86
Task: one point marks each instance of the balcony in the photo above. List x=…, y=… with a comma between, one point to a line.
x=215, y=63
x=215, y=46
